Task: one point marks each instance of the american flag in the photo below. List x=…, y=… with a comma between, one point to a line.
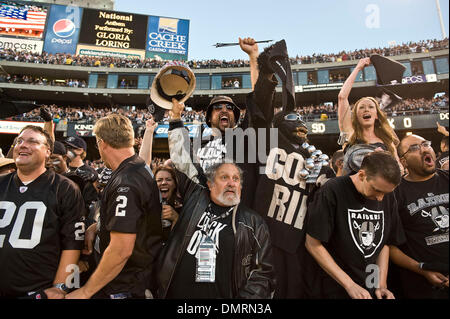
x=22, y=18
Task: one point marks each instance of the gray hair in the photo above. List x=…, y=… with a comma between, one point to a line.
x=211, y=171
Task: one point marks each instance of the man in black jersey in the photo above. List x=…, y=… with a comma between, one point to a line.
x=423, y=208
x=130, y=218
x=218, y=248
x=350, y=224
x=42, y=231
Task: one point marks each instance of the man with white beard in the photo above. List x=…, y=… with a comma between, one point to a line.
x=217, y=243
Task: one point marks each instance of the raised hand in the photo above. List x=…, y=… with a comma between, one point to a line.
x=363, y=63
x=151, y=125
x=177, y=109
x=249, y=46
x=45, y=114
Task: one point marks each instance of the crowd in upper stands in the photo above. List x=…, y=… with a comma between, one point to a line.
x=309, y=112
x=90, y=115
x=41, y=80
x=114, y=62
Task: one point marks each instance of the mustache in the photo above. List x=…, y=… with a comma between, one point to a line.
x=233, y=190
x=425, y=154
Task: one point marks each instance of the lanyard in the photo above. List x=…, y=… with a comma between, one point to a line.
x=215, y=218
x=205, y=270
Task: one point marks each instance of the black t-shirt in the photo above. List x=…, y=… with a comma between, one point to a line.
x=130, y=204
x=352, y=228
x=183, y=284
x=282, y=195
x=38, y=221
x=423, y=210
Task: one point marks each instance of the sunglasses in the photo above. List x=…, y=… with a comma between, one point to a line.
x=416, y=147
x=219, y=106
x=293, y=117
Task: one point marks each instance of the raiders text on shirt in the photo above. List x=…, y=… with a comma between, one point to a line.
x=431, y=200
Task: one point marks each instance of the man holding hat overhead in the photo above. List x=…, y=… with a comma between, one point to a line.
x=171, y=87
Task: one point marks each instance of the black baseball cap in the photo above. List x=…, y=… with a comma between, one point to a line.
x=59, y=148
x=76, y=142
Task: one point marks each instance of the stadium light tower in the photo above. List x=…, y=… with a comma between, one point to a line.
x=444, y=35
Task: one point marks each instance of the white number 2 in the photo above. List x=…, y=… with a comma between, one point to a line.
x=122, y=204
x=79, y=231
x=14, y=240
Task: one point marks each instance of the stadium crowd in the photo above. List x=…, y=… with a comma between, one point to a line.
x=90, y=115
x=112, y=62
x=40, y=80
x=301, y=224
x=308, y=112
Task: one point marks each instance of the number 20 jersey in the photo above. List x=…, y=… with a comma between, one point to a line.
x=37, y=222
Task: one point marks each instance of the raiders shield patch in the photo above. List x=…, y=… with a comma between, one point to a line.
x=367, y=229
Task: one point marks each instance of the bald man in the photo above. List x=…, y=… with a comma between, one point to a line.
x=423, y=208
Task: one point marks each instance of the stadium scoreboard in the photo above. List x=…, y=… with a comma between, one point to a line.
x=53, y=28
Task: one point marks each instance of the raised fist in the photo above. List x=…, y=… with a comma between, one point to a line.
x=45, y=114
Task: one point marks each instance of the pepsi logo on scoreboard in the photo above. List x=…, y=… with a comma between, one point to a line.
x=63, y=29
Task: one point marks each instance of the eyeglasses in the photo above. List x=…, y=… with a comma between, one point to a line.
x=416, y=147
x=30, y=141
x=293, y=117
x=219, y=106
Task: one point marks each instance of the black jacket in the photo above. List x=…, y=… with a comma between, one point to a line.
x=253, y=273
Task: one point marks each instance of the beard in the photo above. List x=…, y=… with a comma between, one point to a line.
x=229, y=123
x=229, y=199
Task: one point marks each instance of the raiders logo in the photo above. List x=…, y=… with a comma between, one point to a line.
x=367, y=229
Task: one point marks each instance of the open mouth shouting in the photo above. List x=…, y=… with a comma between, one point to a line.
x=301, y=131
x=428, y=160
x=224, y=119
x=164, y=192
x=366, y=116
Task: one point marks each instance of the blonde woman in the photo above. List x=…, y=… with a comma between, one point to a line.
x=364, y=128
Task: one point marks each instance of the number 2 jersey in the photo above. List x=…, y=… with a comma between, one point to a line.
x=131, y=204
x=37, y=222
